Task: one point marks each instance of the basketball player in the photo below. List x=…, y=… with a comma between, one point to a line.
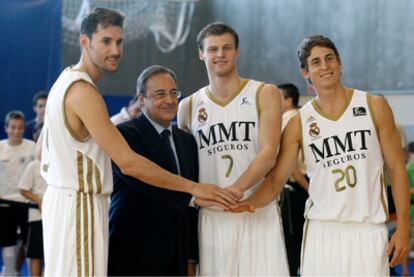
x=346, y=135
x=236, y=123
x=78, y=142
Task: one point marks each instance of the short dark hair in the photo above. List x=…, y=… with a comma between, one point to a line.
x=410, y=147
x=40, y=95
x=290, y=91
x=151, y=71
x=216, y=29
x=305, y=48
x=13, y=115
x=105, y=17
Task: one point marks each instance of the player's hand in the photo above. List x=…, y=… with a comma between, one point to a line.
x=235, y=190
x=215, y=194
x=398, y=247
x=243, y=207
x=204, y=203
x=191, y=268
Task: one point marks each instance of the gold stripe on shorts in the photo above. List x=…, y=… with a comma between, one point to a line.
x=78, y=234
x=85, y=234
x=98, y=180
x=92, y=234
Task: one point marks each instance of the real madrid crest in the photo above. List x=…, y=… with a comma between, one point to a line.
x=202, y=115
x=314, y=130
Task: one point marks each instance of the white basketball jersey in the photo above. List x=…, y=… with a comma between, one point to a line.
x=227, y=135
x=66, y=161
x=344, y=163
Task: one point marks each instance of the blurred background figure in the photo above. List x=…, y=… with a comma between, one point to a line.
x=133, y=110
x=295, y=190
x=39, y=105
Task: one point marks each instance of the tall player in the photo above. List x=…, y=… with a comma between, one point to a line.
x=78, y=142
x=346, y=135
x=236, y=123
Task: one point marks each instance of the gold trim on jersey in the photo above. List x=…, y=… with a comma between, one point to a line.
x=80, y=171
x=89, y=174
x=98, y=180
x=91, y=169
x=258, y=91
x=225, y=103
x=383, y=191
x=65, y=120
x=302, y=154
x=369, y=103
x=333, y=117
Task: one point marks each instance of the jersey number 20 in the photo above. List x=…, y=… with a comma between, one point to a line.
x=350, y=176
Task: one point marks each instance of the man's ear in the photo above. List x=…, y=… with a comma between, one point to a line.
x=305, y=73
x=141, y=100
x=201, y=55
x=84, y=41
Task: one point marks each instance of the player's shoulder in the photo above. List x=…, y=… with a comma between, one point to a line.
x=28, y=142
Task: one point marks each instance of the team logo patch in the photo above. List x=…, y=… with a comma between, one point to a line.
x=359, y=111
x=245, y=101
x=314, y=130
x=310, y=119
x=202, y=115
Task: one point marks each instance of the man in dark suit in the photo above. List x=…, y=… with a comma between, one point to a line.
x=153, y=231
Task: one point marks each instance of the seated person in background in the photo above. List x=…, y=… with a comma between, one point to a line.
x=33, y=186
x=127, y=113
x=153, y=231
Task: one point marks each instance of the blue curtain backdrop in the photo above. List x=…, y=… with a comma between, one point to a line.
x=30, y=48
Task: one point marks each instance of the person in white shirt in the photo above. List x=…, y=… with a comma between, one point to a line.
x=133, y=110
x=33, y=186
x=15, y=154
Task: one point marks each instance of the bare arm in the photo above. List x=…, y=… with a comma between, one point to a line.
x=270, y=103
x=394, y=159
x=87, y=114
x=285, y=164
x=31, y=196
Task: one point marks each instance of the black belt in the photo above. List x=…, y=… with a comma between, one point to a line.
x=19, y=204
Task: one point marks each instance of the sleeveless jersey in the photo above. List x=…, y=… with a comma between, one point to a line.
x=344, y=163
x=227, y=135
x=67, y=162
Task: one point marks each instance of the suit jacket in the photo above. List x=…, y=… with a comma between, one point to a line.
x=151, y=229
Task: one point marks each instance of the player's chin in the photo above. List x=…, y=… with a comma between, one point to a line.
x=111, y=69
